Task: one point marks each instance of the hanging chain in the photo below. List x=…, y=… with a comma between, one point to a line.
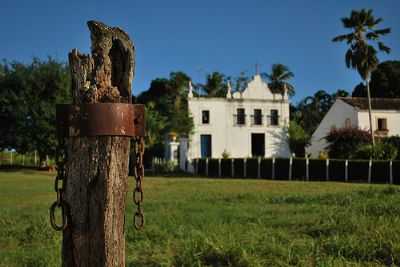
x=138, y=218
x=59, y=183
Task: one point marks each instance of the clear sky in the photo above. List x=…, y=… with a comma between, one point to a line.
x=201, y=36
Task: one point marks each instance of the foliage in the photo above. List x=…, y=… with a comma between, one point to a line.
x=225, y=154
x=385, y=81
x=29, y=94
x=343, y=142
x=162, y=166
x=216, y=85
x=381, y=151
x=167, y=100
x=311, y=110
x=298, y=139
x=203, y=222
x=395, y=141
x=279, y=79
x=362, y=55
x=155, y=124
x=239, y=83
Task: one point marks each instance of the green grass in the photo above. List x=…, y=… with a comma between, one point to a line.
x=204, y=222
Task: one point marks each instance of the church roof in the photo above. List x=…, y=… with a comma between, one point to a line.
x=361, y=103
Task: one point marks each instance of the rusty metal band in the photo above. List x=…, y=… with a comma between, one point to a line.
x=100, y=119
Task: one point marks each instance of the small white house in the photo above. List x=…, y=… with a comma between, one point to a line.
x=250, y=123
x=353, y=112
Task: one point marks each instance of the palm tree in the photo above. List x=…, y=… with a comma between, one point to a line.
x=215, y=85
x=278, y=79
x=362, y=55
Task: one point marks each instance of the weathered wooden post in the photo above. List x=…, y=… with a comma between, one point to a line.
x=95, y=131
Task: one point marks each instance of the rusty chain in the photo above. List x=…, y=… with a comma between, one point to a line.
x=138, y=218
x=61, y=177
x=59, y=183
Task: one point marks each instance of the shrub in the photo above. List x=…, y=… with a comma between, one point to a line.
x=395, y=141
x=382, y=151
x=344, y=141
x=298, y=139
x=225, y=154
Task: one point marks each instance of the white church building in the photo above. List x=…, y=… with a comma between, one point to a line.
x=250, y=123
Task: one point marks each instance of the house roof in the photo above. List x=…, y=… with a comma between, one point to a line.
x=361, y=103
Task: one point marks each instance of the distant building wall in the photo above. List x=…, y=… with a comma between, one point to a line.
x=338, y=114
x=236, y=140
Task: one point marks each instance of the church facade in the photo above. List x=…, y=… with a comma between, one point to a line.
x=250, y=123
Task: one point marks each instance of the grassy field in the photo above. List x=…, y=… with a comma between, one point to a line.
x=203, y=222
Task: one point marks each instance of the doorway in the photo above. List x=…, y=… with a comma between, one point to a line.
x=257, y=144
x=205, y=145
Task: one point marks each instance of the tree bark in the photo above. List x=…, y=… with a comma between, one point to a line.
x=97, y=168
x=371, y=130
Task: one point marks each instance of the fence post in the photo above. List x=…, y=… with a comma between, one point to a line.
x=23, y=160
x=233, y=168
x=273, y=168
x=307, y=169
x=244, y=168
x=35, y=159
x=391, y=172
x=369, y=170
x=97, y=167
x=290, y=168
x=327, y=170
x=11, y=157
x=219, y=167
x=259, y=168
x=207, y=167
x=346, y=171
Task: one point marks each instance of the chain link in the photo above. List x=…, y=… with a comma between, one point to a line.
x=60, y=180
x=138, y=218
x=59, y=183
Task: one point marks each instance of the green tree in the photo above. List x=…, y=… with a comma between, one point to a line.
x=385, y=81
x=240, y=82
x=216, y=85
x=155, y=125
x=166, y=100
x=311, y=110
x=29, y=94
x=362, y=55
x=279, y=79
x=298, y=139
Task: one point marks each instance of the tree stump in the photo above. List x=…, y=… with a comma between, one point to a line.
x=97, y=167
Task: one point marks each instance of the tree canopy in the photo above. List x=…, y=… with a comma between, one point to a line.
x=28, y=96
x=167, y=108
x=311, y=110
x=385, y=81
x=279, y=79
x=216, y=85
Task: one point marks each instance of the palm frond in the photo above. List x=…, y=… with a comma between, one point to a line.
x=377, y=21
x=347, y=22
x=383, y=47
x=349, y=58
x=383, y=31
x=340, y=38
x=372, y=36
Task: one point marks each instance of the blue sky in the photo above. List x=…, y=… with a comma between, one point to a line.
x=198, y=37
